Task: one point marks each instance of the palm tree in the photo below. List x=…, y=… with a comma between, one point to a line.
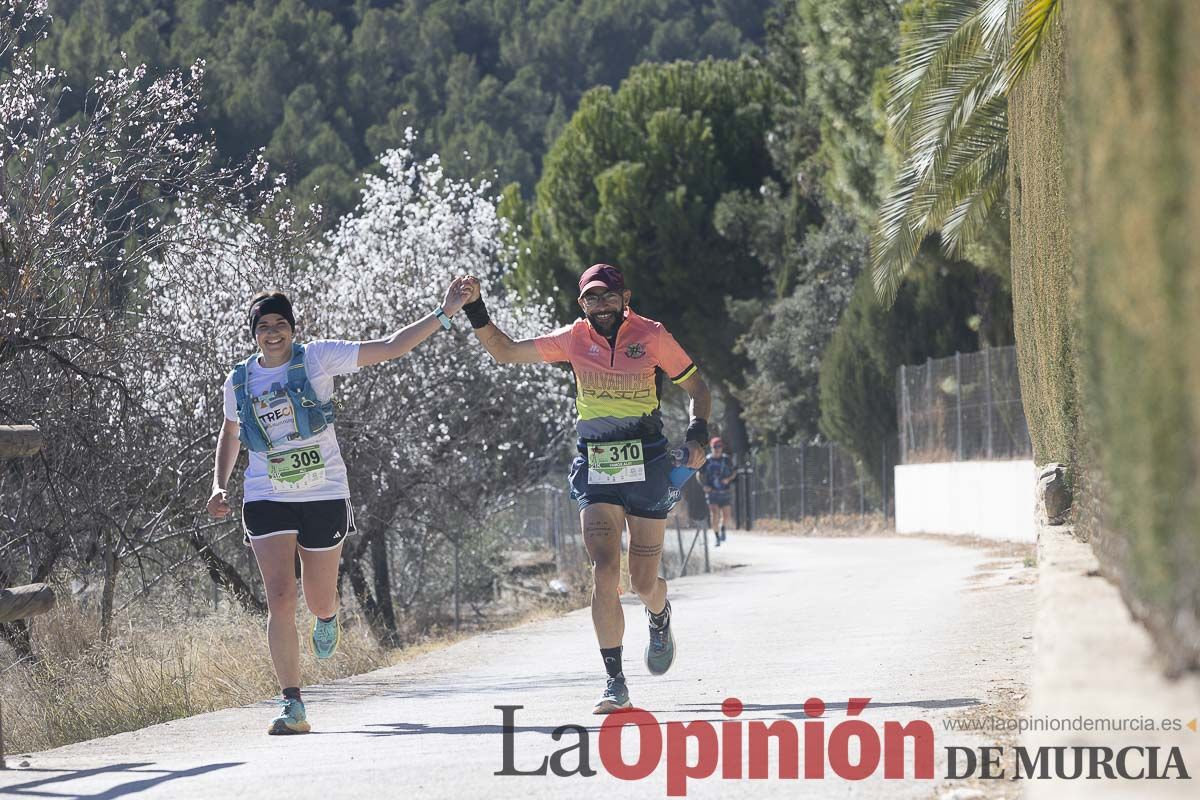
x=948, y=118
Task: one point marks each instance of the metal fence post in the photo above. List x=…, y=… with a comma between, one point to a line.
x=738, y=515
x=987, y=393
x=682, y=557
x=751, y=475
x=754, y=497
x=883, y=470
x=554, y=532
x=862, y=496
x=803, y=509
x=928, y=382
x=901, y=395
x=831, y=479
x=778, y=486
x=457, y=612
x=958, y=400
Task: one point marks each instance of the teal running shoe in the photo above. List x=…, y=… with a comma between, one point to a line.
x=325, y=637
x=660, y=652
x=615, y=697
x=291, y=719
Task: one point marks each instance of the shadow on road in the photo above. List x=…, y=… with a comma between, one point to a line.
x=796, y=710
x=385, y=688
x=787, y=711
x=36, y=788
x=418, y=728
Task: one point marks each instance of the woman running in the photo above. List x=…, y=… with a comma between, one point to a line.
x=297, y=498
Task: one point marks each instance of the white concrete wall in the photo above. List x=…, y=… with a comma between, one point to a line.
x=992, y=499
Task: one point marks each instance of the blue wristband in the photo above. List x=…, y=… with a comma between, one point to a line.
x=441, y=317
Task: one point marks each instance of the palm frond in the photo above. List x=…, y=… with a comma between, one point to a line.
x=948, y=114
x=981, y=132
x=948, y=36
x=983, y=184
x=896, y=238
x=1036, y=19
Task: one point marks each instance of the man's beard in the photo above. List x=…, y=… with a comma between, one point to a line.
x=614, y=319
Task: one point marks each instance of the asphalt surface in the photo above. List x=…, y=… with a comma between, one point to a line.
x=927, y=629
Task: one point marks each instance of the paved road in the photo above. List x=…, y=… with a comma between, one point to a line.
x=925, y=628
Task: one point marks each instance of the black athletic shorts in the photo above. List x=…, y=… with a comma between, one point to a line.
x=720, y=497
x=318, y=524
x=651, y=498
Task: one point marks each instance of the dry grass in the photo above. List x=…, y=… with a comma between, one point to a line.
x=835, y=525
x=164, y=664
x=154, y=670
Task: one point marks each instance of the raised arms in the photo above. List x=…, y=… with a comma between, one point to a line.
x=499, y=344
x=408, y=337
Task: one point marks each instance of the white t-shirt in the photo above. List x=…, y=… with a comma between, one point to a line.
x=323, y=359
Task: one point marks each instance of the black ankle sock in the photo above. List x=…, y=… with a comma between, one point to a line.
x=327, y=619
x=661, y=618
x=612, y=661
x=292, y=693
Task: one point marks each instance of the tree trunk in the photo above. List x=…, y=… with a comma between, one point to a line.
x=110, y=583
x=733, y=427
x=376, y=616
x=382, y=572
x=224, y=574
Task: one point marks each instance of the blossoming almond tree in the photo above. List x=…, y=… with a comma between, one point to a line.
x=84, y=203
x=431, y=440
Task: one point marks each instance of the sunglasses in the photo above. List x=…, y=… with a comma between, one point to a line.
x=593, y=300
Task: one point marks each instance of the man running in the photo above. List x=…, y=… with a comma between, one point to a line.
x=716, y=476
x=621, y=474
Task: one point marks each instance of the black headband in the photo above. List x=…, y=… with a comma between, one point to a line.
x=274, y=304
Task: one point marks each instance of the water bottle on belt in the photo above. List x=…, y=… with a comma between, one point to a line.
x=680, y=471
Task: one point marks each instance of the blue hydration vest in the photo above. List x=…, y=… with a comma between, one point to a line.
x=311, y=415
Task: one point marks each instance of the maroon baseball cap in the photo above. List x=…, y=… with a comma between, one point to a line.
x=601, y=275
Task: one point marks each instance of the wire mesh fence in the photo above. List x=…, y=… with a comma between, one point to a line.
x=793, y=482
x=783, y=482
x=545, y=517
x=962, y=408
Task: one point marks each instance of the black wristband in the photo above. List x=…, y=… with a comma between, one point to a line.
x=477, y=313
x=697, y=431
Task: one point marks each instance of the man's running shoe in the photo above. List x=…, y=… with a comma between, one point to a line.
x=291, y=719
x=615, y=697
x=660, y=652
x=325, y=637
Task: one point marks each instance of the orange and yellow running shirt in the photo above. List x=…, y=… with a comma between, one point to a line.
x=618, y=385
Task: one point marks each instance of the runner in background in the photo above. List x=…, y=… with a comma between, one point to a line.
x=718, y=475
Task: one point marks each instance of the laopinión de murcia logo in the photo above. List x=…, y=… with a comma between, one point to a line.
x=816, y=749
